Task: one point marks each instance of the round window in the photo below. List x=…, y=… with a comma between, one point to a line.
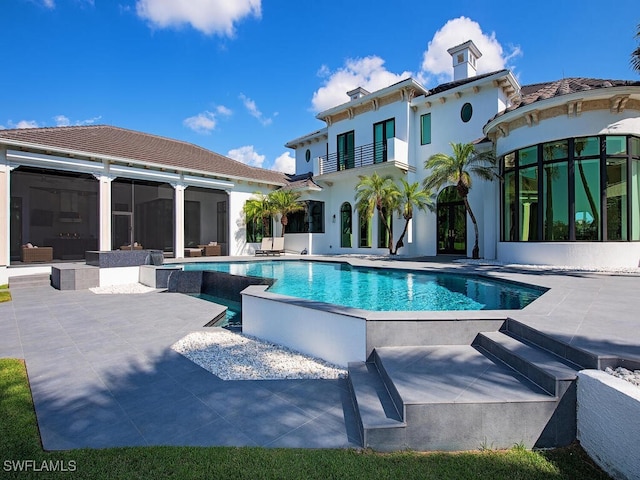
x=307, y=155
x=466, y=112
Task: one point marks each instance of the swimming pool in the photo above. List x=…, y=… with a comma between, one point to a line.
x=381, y=289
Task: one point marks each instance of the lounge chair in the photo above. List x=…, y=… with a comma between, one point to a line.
x=265, y=247
x=278, y=246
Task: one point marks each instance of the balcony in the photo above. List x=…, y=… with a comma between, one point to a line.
x=391, y=153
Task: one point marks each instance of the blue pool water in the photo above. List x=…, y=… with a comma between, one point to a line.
x=380, y=289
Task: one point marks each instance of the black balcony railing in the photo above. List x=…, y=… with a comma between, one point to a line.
x=361, y=156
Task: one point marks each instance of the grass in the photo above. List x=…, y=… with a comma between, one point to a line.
x=5, y=294
x=19, y=440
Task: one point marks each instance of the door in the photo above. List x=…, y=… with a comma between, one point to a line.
x=346, y=150
x=122, y=231
x=15, y=228
x=452, y=223
x=382, y=132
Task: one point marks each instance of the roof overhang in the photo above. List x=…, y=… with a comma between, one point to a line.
x=68, y=159
x=573, y=102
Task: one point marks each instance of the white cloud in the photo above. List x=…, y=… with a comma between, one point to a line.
x=208, y=16
x=247, y=155
x=222, y=110
x=253, y=110
x=437, y=62
x=24, y=124
x=63, y=121
x=204, y=122
x=368, y=73
x=371, y=74
x=285, y=163
x=49, y=3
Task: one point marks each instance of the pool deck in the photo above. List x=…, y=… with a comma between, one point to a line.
x=102, y=372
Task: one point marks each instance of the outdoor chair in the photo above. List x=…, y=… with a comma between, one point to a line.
x=265, y=246
x=37, y=254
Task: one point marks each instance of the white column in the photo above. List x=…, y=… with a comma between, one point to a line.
x=178, y=241
x=5, y=214
x=104, y=209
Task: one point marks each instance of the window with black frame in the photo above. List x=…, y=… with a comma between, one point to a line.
x=575, y=189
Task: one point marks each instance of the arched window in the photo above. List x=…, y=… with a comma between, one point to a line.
x=345, y=225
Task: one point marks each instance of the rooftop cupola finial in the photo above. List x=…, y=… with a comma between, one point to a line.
x=465, y=57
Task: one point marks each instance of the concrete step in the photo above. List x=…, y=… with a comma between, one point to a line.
x=378, y=417
x=27, y=281
x=452, y=397
x=544, y=368
x=563, y=350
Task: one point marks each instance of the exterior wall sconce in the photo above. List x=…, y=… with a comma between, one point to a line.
x=334, y=218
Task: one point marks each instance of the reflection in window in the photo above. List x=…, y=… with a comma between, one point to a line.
x=345, y=225
x=635, y=200
x=616, y=199
x=587, y=203
x=509, y=230
x=528, y=185
x=365, y=231
x=555, y=197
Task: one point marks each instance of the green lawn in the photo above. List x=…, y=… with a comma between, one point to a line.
x=5, y=295
x=19, y=440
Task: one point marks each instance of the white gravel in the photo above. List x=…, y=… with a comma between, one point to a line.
x=128, y=288
x=232, y=356
x=631, y=376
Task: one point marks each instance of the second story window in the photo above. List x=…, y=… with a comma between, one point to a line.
x=346, y=150
x=425, y=129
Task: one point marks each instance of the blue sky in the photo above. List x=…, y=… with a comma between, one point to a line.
x=243, y=77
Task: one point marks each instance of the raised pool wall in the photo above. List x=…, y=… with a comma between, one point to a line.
x=608, y=419
x=341, y=334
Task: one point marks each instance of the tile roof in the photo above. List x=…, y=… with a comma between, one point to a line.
x=543, y=91
x=134, y=146
x=443, y=87
x=303, y=181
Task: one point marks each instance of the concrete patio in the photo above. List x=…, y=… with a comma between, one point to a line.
x=102, y=373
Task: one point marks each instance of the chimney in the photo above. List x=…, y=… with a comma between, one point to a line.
x=465, y=57
x=357, y=93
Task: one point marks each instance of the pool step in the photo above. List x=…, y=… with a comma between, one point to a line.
x=501, y=390
x=26, y=281
x=378, y=417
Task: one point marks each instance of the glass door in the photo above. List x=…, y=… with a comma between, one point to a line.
x=452, y=223
x=346, y=150
x=122, y=230
x=382, y=132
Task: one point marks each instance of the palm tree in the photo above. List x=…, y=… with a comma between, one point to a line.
x=635, y=55
x=457, y=170
x=259, y=208
x=377, y=193
x=412, y=196
x=284, y=202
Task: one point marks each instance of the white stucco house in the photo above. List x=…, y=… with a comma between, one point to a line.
x=568, y=150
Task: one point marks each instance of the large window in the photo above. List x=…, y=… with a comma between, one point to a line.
x=425, y=129
x=345, y=225
x=577, y=189
x=257, y=229
x=364, y=223
x=309, y=220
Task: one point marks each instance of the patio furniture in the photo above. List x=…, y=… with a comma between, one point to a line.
x=271, y=246
x=192, y=252
x=128, y=247
x=37, y=254
x=211, y=250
